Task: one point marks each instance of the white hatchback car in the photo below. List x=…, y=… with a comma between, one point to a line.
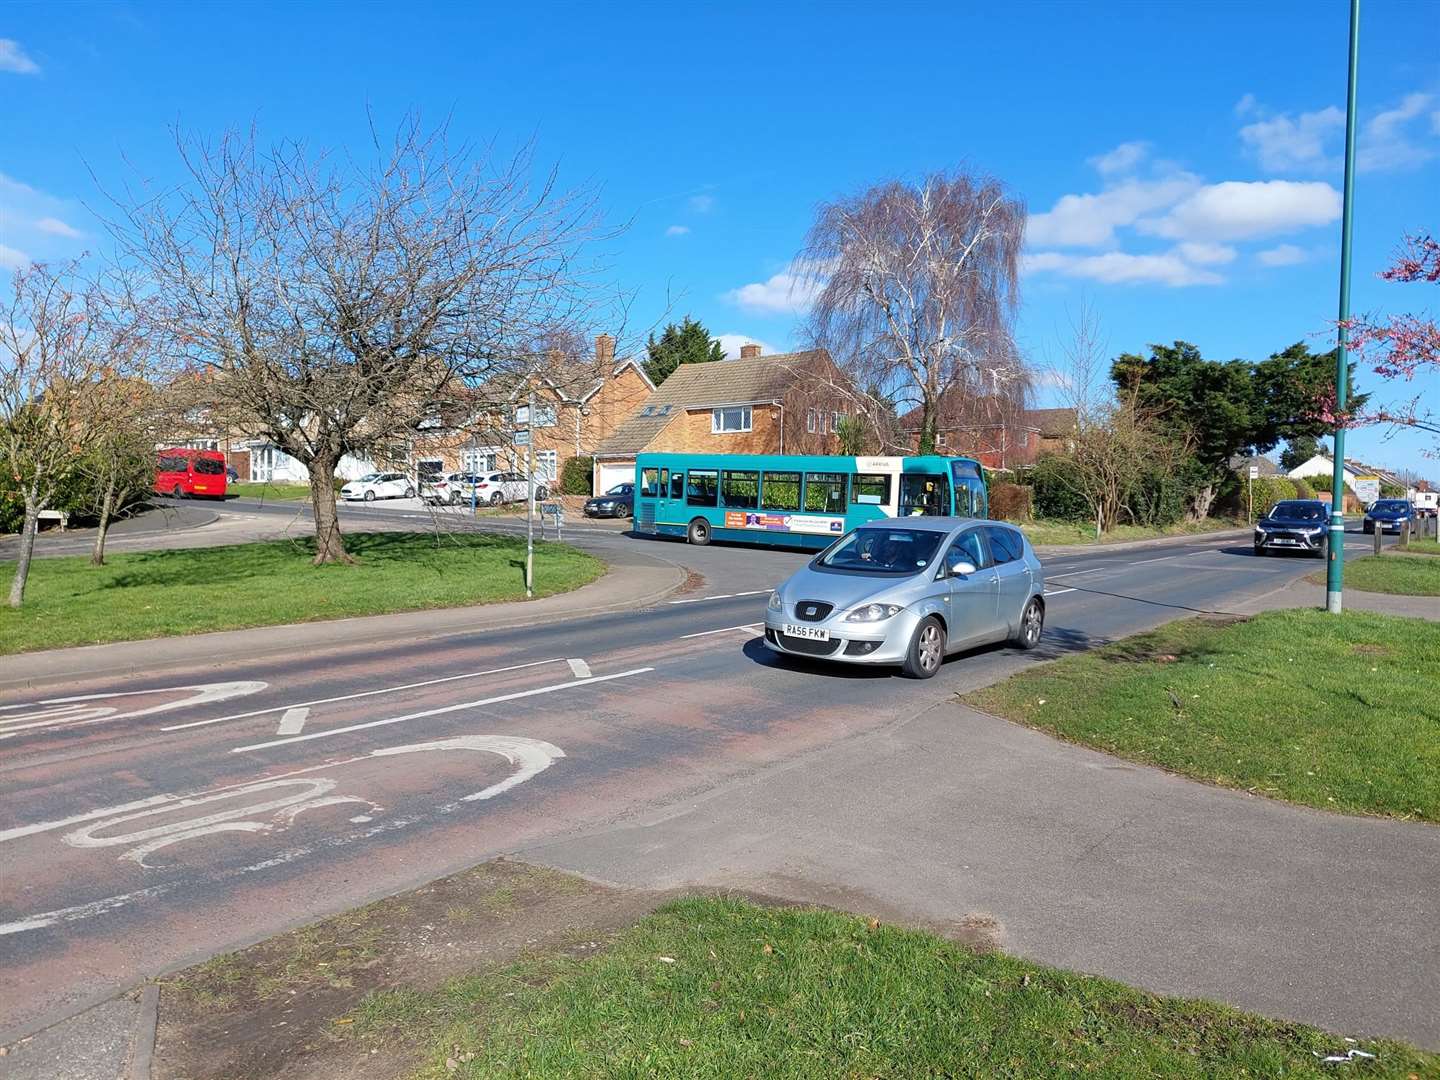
x=504, y=487
x=379, y=485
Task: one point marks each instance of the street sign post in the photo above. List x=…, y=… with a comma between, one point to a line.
x=1254, y=473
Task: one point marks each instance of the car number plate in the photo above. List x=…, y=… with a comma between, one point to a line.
x=813, y=633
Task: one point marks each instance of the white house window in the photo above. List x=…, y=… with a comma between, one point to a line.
x=480, y=460
x=812, y=420
x=835, y=422
x=1024, y=438
x=547, y=465
x=941, y=439
x=544, y=416
x=728, y=420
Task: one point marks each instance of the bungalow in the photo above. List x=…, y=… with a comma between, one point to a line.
x=784, y=403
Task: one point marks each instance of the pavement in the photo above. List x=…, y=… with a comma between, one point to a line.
x=151, y=820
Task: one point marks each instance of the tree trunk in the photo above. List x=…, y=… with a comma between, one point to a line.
x=1201, y=502
x=107, y=506
x=27, y=550
x=329, y=545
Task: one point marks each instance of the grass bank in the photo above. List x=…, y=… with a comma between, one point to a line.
x=1070, y=532
x=721, y=988
x=1423, y=547
x=191, y=590
x=269, y=492
x=1403, y=575
x=1336, y=713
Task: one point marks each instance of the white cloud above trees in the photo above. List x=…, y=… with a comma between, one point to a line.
x=790, y=292
x=15, y=60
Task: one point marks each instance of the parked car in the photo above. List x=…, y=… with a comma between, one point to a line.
x=909, y=591
x=232, y=474
x=452, y=488
x=498, y=488
x=1426, y=503
x=1294, y=525
x=379, y=485
x=619, y=501
x=1388, y=515
x=185, y=473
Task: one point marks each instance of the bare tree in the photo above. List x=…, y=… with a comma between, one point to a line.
x=917, y=290
x=128, y=419
x=343, y=307
x=55, y=345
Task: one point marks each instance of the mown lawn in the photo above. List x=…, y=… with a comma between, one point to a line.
x=269, y=492
x=721, y=988
x=1392, y=572
x=1422, y=547
x=1070, y=532
x=1339, y=713
x=187, y=591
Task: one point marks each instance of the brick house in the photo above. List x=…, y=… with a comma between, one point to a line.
x=577, y=407
x=784, y=403
x=992, y=431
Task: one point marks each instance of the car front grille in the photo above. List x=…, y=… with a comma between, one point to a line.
x=802, y=645
x=813, y=610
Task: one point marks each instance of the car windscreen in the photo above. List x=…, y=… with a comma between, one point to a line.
x=368, y=478
x=1287, y=511
x=1391, y=506
x=619, y=489
x=883, y=551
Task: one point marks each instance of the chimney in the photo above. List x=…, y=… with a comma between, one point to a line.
x=605, y=350
x=747, y=351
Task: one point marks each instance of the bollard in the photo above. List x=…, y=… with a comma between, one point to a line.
x=1404, y=541
x=1379, y=535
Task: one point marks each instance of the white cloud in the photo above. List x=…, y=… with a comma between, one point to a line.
x=677, y=230
x=1122, y=159
x=1283, y=255
x=1245, y=105
x=731, y=344
x=1240, y=210
x=55, y=227
x=1386, y=142
x=1286, y=144
x=1121, y=268
x=789, y=292
x=1052, y=379
x=1091, y=220
x=702, y=204
x=14, y=59
x=10, y=259
x=1203, y=254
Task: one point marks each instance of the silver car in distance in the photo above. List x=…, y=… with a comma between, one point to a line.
x=908, y=591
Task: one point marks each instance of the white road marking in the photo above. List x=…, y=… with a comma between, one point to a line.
x=363, y=694
x=1077, y=573
x=441, y=711
x=721, y=596
x=722, y=630
x=60, y=823
x=63, y=711
x=579, y=668
x=1057, y=592
x=1164, y=558
x=293, y=721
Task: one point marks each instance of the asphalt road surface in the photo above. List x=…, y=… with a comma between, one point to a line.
x=151, y=822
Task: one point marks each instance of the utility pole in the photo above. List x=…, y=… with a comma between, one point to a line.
x=1335, y=549
x=530, y=498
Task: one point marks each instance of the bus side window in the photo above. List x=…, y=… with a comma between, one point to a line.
x=825, y=493
x=664, y=482
x=704, y=487
x=870, y=489
x=677, y=485
x=647, y=482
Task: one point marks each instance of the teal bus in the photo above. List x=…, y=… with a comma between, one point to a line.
x=796, y=500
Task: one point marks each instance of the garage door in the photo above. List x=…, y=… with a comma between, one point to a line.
x=610, y=473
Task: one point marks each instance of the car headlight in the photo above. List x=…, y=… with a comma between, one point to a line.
x=774, y=603
x=874, y=612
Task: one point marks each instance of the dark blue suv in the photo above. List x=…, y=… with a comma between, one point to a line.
x=1388, y=515
x=1294, y=525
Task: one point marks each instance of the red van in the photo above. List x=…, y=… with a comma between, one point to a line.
x=184, y=473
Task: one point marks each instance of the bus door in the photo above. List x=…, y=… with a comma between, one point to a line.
x=649, y=501
x=970, y=498
x=924, y=495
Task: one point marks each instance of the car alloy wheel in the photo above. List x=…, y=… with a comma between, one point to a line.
x=496, y=499
x=927, y=649
x=409, y=493
x=370, y=496
x=177, y=493
x=1032, y=625
x=455, y=498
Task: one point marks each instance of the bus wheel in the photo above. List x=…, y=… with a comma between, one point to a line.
x=699, y=532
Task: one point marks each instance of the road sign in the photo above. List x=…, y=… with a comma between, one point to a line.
x=1254, y=472
x=522, y=437
x=1366, y=488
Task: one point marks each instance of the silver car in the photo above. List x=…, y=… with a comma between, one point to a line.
x=908, y=591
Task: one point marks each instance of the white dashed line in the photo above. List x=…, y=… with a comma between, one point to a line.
x=750, y=627
x=579, y=668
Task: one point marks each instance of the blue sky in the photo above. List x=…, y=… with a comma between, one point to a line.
x=1180, y=162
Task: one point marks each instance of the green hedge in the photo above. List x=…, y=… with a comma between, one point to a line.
x=576, y=477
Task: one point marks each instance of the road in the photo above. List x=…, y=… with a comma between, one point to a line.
x=148, y=823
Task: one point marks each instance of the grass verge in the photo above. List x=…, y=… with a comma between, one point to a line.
x=1422, y=547
x=1401, y=575
x=1071, y=532
x=191, y=590
x=1335, y=713
x=269, y=492
x=721, y=988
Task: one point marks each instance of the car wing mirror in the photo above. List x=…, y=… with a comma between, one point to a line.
x=963, y=569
